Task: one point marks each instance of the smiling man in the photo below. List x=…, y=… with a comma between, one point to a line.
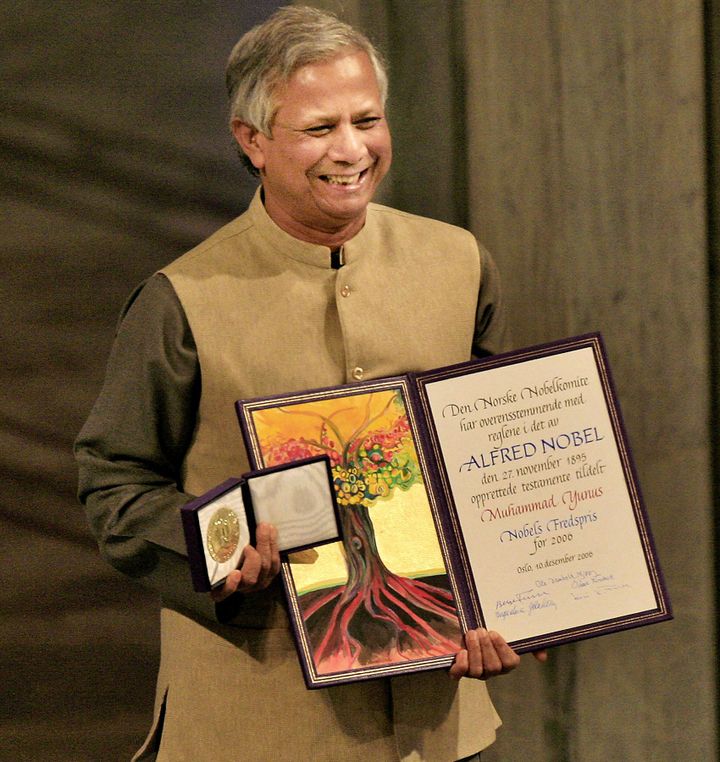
x=313, y=286
x=327, y=150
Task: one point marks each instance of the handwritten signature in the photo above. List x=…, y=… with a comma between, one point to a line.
x=580, y=584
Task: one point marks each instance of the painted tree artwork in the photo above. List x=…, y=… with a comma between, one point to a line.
x=382, y=596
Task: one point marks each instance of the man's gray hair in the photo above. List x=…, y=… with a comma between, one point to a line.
x=270, y=53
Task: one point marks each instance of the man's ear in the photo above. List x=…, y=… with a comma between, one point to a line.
x=250, y=140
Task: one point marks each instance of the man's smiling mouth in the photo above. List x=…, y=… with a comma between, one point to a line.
x=343, y=179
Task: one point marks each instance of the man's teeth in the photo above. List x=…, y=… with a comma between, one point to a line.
x=342, y=179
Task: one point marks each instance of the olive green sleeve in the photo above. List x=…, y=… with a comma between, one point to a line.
x=131, y=448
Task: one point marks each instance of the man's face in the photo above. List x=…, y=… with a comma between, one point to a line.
x=329, y=150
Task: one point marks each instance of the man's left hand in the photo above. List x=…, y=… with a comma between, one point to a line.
x=258, y=566
x=486, y=654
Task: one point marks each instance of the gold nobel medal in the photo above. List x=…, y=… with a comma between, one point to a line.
x=223, y=534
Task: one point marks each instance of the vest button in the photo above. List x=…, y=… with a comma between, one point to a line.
x=345, y=290
x=358, y=374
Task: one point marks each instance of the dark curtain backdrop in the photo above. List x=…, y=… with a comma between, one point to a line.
x=571, y=137
x=115, y=157
x=587, y=148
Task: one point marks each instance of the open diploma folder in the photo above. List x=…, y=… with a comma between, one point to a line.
x=496, y=493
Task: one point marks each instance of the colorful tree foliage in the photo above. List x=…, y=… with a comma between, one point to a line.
x=377, y=616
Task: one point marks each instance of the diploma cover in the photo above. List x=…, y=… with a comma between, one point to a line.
x=498, y=493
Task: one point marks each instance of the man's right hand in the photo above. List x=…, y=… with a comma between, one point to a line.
x=258, y=566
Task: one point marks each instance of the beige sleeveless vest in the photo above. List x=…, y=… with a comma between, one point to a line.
x=270, y=315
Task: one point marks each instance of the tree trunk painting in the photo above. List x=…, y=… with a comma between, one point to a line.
x=376, y=616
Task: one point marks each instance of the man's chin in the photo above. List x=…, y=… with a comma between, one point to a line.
x=339, y=217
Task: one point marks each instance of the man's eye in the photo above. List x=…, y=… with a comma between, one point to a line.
x=367, y=122
x=320, y=129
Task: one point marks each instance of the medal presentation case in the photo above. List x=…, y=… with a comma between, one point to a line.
x=297, y=498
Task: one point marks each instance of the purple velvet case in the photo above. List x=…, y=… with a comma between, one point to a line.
x=298, y=498
x=499, y=492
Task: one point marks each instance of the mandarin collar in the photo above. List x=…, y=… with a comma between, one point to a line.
x=283, y=243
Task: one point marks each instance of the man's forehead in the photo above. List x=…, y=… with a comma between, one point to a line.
x=323, y=59
x=348, y=63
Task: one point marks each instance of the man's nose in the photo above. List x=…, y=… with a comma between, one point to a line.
x=347, y=145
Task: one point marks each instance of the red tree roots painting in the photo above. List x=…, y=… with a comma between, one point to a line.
x=376, y=616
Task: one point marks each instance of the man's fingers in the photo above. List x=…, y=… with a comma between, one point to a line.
x=228, y=588
x=507, y=659
x=275, y=552
x=258, y=565
x=263, y=542
x=459, y=667
x=485, y=655
x=476, y=656
x=251, y=568
x=266, y=543
x=492, y=661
